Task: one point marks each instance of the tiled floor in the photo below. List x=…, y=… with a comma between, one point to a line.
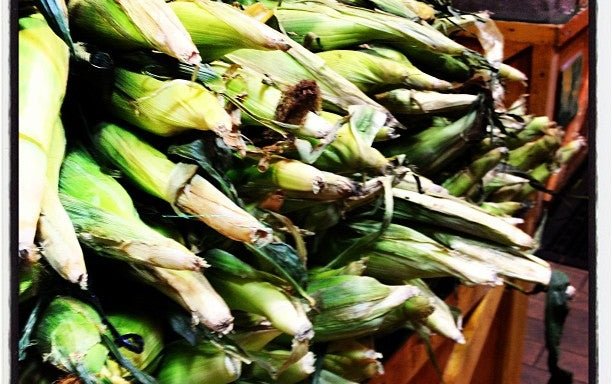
x=575, y=341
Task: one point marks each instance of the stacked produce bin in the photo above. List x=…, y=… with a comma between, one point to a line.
x=260, y=192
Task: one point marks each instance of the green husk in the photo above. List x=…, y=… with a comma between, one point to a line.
x=402, y=253
x=105, y=219
x=411, y=102
x=464, y=180
x=352, y=149
x=69, y=336
x=43, y=74
x=178, y=185
x=218, y=29
x=508, y=262
x=457, y=215
x=504, y=208
x=167, y=108
x=299, y=180
x=133, y=24
x=193, y=292
x=249, y=290
x=203, y=363
x=351, y=306
x=372, y=73
x=529, y=155
x=441, y=321
x=432, y=149
x=56, y=235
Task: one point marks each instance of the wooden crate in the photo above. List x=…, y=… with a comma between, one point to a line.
x=495, y=325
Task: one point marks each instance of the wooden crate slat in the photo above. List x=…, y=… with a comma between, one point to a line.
x=464, y=359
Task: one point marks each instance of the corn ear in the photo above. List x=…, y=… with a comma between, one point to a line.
x=59, y=242
x=465, y=179
x=510, y=73
x=504, y=208
x=352, y=149
x=282, y=373
x=350, y=306
x=531, y=154
x=441, y=321
x=412, y=102
x=371, y=73
x=432, y=149
x=133, y=24
x=43, y=74
x=327, y=377
x=402, y=253
x=69, y=337
x=324, y=25
x=297, y=64
x=167, y=108
x=417, y=183
x=203, y=363
x=352, y=360
x=114, y=229
x=497, y=179
x=458, y=215
x=194, y=293
x=243, y=288
x=507, y=261
x=290, y=110
x=337, y=26
x=218, y=28
x=300, y=180
x=178, y=185
x=29, y=275
x=534, y=129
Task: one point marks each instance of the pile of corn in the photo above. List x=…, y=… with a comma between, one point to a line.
x=252, y=193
